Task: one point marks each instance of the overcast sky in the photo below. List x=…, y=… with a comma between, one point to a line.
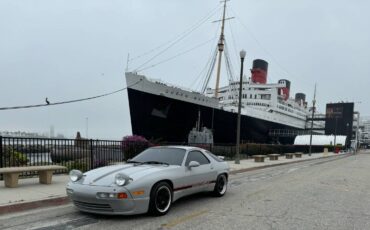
x=70, y=49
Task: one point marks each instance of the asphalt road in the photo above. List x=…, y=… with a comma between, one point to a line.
x=319, y=194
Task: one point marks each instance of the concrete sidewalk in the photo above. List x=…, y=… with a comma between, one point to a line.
x=246, y=165
x=30, y=194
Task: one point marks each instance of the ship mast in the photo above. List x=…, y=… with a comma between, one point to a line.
x=220, y=49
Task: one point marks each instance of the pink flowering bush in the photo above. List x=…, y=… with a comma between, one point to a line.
x=133, y=145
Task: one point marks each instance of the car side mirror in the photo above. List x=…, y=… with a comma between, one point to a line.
x=193, y=164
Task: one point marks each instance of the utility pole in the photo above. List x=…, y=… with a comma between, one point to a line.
x=313, y=113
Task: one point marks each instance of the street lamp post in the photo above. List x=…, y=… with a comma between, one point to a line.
x=237, y=156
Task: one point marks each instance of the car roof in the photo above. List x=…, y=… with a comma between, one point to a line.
x=179, y=147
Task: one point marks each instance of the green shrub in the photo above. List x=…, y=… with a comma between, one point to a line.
x=288, y=149
x=77, y=164
x=251, y=149
x=14, y=158
x=227, y=151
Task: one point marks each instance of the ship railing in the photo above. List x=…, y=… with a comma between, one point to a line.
x=159, y=81
x=287, y=132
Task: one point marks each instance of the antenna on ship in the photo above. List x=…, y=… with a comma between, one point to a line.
x=221, y=45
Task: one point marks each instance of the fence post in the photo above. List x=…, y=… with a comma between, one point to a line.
x=91, y=154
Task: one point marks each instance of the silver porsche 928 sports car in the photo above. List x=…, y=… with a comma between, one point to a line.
x=150, y=182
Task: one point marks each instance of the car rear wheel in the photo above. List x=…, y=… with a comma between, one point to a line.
x=160, y=199
x=221, y=185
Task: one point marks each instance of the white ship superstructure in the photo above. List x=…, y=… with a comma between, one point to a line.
x=263, y=101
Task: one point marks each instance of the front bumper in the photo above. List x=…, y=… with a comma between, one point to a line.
x=85, y=199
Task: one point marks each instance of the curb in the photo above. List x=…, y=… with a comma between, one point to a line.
x=6, y=209
x=285, y=163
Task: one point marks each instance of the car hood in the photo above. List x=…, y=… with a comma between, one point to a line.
x=105, y=176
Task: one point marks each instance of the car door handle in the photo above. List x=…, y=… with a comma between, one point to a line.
x=211, y=166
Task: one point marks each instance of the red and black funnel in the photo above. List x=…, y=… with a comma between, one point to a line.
x=259, y=71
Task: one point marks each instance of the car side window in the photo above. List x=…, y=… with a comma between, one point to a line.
x=214, y=156
x=197, y=156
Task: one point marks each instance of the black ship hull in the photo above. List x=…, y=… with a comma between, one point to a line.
x=160, y=118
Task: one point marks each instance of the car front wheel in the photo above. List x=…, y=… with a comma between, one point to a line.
x=221, y=185
x=160, y=199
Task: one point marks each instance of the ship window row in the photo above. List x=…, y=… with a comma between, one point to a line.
x=267, y=96
x=244, y=96
x=286, y=109
x=238, y=83
x=235, y=89
x=258, y=104
x=186, y=96
x=251, y=96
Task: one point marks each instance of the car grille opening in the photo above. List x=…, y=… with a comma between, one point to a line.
x=93, y=206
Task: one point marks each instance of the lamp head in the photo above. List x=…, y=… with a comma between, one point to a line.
x=242, y=54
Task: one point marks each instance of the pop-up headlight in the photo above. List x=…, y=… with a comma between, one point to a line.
x=75, y=175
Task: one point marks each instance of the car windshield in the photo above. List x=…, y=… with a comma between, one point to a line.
x=171, y=156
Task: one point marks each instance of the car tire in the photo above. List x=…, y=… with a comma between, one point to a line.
x=160, y=199
x=220, y=186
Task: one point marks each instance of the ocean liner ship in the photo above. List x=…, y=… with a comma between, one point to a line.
x=164, y=112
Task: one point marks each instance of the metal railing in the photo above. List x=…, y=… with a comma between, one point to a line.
x=247, y=150
x=87, y=154
x=83, y=154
